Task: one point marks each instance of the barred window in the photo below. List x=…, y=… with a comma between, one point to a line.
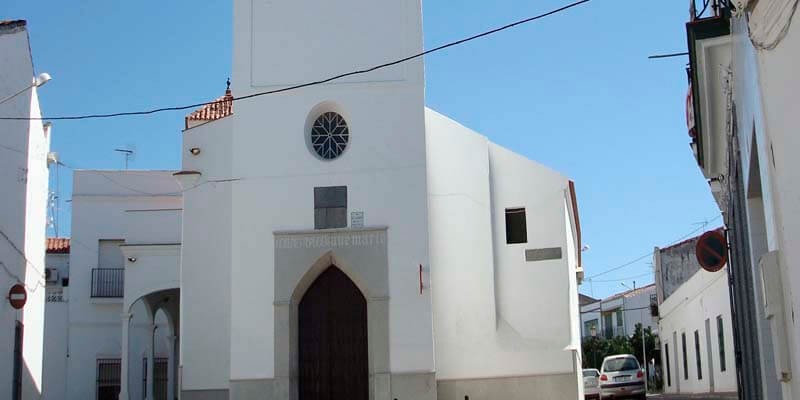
x=108, y=378
x=666, y=361
x=160, y=367
x=697, y=355
x=721, y=339
x=685, y=361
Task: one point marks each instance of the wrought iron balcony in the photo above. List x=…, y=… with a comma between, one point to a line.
x=108, y=282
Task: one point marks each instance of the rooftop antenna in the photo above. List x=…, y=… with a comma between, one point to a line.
x=129, y=152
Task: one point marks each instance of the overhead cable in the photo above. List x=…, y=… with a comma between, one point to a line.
x=312, y=83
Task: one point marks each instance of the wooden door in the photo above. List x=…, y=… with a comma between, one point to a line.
x=332, y=326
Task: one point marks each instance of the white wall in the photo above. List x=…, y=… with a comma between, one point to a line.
x=56, y=324
x=766, y=95
x=489, y=304
x=111, y=205
x=383, y=167
x=24, y=184
x=206, y=260
x=704, y=296
x=629, y=303
x=636, y=311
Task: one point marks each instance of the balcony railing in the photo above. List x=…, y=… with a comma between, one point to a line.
x=108, y=282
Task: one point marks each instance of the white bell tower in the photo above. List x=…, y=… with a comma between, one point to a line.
x=378, y=173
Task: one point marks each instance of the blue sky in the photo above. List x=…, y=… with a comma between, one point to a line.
x=575, y=92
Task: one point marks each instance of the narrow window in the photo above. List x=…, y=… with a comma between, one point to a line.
x=685, y=361
x=108, y=378
x=330, y=207
x=16, y=388
x=516, y=231
x=666, y=359
x=697, y=355
x=721, y=339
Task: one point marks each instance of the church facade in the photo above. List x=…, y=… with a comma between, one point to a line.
x=344, y=241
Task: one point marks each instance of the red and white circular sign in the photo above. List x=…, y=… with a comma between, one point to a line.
x=17, y=296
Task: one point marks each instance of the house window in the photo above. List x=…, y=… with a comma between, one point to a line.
x=330, y=207
x=697, y=355
x=619, y=318
x=685, y=361
x=16, y=387
x=589, y=327
x=108, y=378
x=516, y=231
x=666, y=359
x=721, y=339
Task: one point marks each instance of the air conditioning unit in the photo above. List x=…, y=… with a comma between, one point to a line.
x=51, y=275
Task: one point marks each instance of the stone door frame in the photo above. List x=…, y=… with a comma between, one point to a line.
x=300, y=257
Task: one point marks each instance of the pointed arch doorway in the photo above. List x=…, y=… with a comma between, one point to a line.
x=332, y=337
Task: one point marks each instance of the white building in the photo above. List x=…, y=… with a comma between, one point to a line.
x=24, y=147
x=56, y=324
x=743, y=62
x=337, y=239
x=696, y=336
x=112, y=210
x=618, y=315
x=455, y=260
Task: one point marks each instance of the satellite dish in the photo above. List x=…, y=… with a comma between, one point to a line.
x=712, y=251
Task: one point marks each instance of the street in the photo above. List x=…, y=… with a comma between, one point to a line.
x=714, y=396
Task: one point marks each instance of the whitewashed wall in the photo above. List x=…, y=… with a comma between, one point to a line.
x=24, y=185
x=384, y=166
x=766, y=96
x=704, y=296
x=495, y=314
x=206, y=260
x=637, y=312
x=110, y=205
x=54, y=371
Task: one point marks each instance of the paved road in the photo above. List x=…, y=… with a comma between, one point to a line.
x=717, y=396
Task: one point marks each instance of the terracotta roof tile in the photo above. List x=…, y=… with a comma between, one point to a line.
x=11, y=26
x=219, y=108
x=57, y=245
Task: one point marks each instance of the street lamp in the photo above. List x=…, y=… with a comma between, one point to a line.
x=38, y=81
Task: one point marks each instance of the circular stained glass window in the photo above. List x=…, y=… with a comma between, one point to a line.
x=329, y=135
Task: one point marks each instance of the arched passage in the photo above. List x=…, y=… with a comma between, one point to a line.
x=333, y=349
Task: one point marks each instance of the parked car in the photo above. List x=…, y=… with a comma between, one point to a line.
x=621, y=376
x=591, y=384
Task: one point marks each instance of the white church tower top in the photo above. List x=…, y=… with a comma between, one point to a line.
x=282, y=42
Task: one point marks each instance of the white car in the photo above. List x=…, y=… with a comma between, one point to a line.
x=591, y=384
x=621, y=377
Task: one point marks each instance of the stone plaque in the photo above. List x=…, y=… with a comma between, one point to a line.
x=550, y=253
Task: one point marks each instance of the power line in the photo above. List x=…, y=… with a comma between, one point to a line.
x=701, y=227
x=313, y=83
x=623, y=279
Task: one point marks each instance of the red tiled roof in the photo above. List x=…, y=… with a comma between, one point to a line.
x=13, y=22
x=11, y=26
x=57, y=245
x=219, y=108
